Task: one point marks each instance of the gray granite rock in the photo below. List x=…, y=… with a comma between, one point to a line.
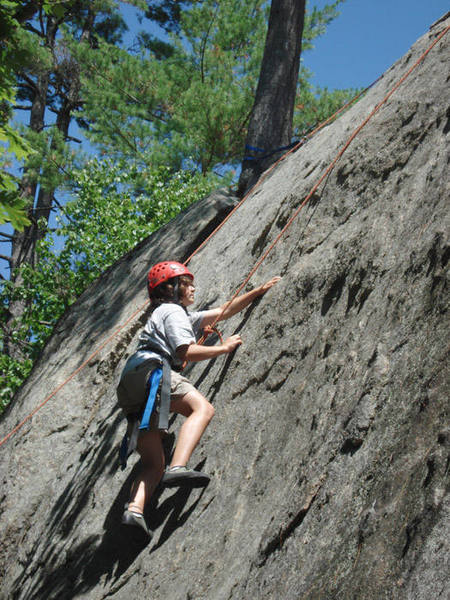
x=329, y=451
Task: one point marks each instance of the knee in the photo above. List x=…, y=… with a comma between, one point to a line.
x=208, y=411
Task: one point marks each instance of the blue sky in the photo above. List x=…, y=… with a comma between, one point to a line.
x=367, y=38
x=358, y=46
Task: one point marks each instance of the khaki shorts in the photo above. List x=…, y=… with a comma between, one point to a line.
x=132, y=388
x=179, y=385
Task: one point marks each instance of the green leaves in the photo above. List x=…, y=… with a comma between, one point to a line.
x=113, y=207
x=189, y=106
x=13, y=373
x=14, y=147
x=57, y=8
x=15, y=142
x=315, y=105
x=12, y=208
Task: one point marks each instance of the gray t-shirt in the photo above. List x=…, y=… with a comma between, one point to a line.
x=169, y=327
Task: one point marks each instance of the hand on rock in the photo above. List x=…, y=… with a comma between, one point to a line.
x=232, y=343
x=269, y=284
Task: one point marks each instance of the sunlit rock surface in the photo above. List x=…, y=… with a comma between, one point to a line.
x=329, y=451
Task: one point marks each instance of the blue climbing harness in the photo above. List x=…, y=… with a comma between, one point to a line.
x=154, y=379
x=136, y=422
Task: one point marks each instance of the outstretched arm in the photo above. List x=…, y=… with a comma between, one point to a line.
x=229, y=309
x=197, y=352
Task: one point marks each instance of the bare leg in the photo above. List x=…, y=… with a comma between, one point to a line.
x=150, y=448
x=199, y=413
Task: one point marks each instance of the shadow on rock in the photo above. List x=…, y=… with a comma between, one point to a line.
x=172, y=512
x=91, y=562
x=220, y=378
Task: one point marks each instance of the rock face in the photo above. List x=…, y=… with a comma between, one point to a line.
x=329, y=451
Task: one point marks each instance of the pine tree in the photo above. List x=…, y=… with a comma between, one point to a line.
x=188, y=106
x=49, y=81
x=185, y=100
x=271, y=120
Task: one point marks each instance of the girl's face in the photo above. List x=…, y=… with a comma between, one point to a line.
x=186, y=291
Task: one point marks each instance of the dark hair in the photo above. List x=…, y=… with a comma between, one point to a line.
x=167, y=291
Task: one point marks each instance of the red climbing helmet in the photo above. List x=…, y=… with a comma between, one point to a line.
x=166, y=270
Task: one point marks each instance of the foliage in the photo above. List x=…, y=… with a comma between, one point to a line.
x=315, y=105
x=182, y=101
x=188, y=101
x=25, y=56
x=114, y=206
x=15, y=50
x=316, y=21
x=174, y=104
x=191, y=107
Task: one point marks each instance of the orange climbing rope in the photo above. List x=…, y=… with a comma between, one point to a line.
x=326, y=173
x=72, y=375
x=271, y=247
x=276, y=163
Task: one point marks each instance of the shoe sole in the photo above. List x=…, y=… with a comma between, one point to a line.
x=189, y=479
x=136, y=523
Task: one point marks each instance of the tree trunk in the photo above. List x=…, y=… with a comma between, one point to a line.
x=23, y=247
x=270, y=126
x=23, y=243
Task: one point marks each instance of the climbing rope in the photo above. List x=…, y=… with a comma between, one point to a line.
x=276, y=163
x=72, y=375
x=271, y=247
x=326, y=173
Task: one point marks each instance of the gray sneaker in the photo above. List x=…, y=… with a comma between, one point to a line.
x=137, y=520
x=182, y=476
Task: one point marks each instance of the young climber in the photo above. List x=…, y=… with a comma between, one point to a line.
x=168, y=340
